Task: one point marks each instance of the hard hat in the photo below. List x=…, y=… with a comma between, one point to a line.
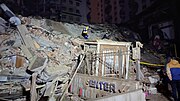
x=87, y=27
x=15, y=20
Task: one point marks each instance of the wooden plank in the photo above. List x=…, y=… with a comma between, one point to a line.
x=72, y=78
x=88, y=65
x=27, y=86
x=120, y=63
x=114, y=62
x=109, y=42
x=104, y=61
x=33, y=87
x=3, y=99
x=127, y=61
x=19, y=61
x=94, y=63
x=97, y=60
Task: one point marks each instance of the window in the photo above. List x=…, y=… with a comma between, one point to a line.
x=63, y=16
x=121, y=1
x=143, y=1
x=77, y=3
x=144, y=6
x=78, y=19
x=115, y=7
x=115, y=13
x=64, y=8
x=71, y=2
x=77, y=11
x=107, y=1
x=71, y=18
x=121, y=5
x=70, y=10
x=123, y=17
x=151, y=0
x=98, y=4
x=115, y=19
x=122, y=13
x=53, y=6
x=78, y=0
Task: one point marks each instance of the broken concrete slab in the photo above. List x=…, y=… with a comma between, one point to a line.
x=26, y=51
x=2, y=25
x=37, y=64
x=27, y=40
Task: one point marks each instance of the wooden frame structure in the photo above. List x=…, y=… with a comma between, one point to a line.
x=108, y=58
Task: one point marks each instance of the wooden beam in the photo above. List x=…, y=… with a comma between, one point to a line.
x=72, y=78
x=33, y=87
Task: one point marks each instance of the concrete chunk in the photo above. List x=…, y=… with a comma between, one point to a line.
x=26, y=51
x=27, y=40
x=38, y=63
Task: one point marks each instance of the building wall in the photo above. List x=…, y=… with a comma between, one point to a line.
x=84, y=10
x=71, y=10
x=124, y=11
x=112, y=10
x=95, y=11
x=104, y=11
x=59, y=10
x=143, y=4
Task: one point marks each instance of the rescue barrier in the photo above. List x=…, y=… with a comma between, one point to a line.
x=149, y=64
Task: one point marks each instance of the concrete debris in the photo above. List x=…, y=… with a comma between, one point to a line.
x=26, y=51
x=2, y=26
x=37, y=64
x=26, y=39
x=153, y=80
x=44, y=55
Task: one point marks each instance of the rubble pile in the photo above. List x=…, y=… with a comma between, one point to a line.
x=49, y=49
x=30, y=49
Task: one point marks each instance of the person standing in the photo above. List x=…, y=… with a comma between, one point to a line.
x=85, y=32
x=173, y=73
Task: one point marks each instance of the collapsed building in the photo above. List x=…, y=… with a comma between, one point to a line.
x=47, y=60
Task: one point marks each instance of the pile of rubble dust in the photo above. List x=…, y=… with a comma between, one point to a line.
x=48, y=48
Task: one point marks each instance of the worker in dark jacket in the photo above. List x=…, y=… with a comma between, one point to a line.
x=85, y=32
x=173, y=73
